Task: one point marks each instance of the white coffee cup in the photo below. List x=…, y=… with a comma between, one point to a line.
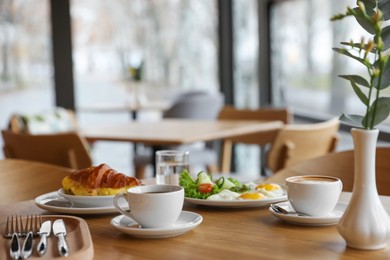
x=153, y=206
x=313, y=195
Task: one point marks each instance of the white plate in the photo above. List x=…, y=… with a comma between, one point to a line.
x=236, y=203
x=332, y=219
x=88, y=201
x=186, y=222
x=42, y=200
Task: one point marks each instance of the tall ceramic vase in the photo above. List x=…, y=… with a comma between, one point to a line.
x=365, y=223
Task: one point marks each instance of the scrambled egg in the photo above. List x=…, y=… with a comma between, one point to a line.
x=74, y=188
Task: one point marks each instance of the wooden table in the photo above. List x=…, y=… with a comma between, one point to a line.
x=246, y=233
x=251, y=233
x=177, y=131
x=132, y=108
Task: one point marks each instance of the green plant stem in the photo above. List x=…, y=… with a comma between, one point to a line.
x=366, y=123
x=377, y=90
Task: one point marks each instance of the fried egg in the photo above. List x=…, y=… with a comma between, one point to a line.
x=224, y=195
x=251, y=196
x=270, y=190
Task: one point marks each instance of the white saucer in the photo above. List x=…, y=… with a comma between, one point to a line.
x=186, y=222
x=332, y=219
x=44, y=202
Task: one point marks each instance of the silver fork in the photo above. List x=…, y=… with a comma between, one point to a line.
x=15, y=225
x=15, y=229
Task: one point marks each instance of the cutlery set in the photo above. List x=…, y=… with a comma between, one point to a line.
x=33, y=226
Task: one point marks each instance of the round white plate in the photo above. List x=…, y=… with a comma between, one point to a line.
x=332, y=219
x=236, y=203
x=186, y=222
x=49, y=201
x=88, y=201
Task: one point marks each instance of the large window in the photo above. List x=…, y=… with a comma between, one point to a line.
x=304, y=68
x=155, y=47
x=25, y=58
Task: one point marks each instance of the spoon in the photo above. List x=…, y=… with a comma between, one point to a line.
x=281, y=210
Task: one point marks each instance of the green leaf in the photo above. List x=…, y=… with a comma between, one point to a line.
x=385, y=76
x=354, y=120
x=363, y=20
x=384, y=6
x=347, y=53
x=358, y=79
x=382, y=110
x=369, y=4
x=385, y=37
x=354, y=79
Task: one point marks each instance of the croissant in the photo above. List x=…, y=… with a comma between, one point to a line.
x=98, y=181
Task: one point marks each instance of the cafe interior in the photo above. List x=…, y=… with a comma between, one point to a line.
x=248, y=92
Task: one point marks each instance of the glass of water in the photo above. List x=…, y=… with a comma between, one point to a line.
x=169, y=165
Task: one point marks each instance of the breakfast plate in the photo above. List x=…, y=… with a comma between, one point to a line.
x=236, y=203
x=186, y=222
x=53, y=202
x=332, y=219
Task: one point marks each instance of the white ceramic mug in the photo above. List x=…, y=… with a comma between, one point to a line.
x=313, y=195
x=169, y=165
x=153, y=206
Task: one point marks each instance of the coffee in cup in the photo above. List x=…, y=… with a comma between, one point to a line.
x=313, y=195
x=153, y=206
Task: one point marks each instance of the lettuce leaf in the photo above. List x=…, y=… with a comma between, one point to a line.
x=191, y=188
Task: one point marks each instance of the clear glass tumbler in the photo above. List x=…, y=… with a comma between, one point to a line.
x=169, y=165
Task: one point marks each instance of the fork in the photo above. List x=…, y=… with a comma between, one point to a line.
x=15, y=225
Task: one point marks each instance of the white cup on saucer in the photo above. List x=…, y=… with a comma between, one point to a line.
x=313, y=195
x=153, y=206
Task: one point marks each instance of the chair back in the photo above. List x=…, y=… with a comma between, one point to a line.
x=341, y=165
x=66, y=149
x=196, y=105
x=266, y=137
x=295, y=143
x=266, y=114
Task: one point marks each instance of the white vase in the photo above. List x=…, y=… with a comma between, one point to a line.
x=365, y=223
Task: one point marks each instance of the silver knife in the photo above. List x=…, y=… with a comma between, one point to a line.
x=59, y=231
x=44, y=232
x=14, y=250
x=27, y=246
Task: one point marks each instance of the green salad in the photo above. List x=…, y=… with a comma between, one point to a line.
x=203, y=186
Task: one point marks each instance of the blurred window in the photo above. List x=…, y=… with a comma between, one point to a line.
x=25, y=58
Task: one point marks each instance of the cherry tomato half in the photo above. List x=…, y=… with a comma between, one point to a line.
x=205, y=187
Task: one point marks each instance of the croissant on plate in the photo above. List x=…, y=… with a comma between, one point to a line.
x=98, y=181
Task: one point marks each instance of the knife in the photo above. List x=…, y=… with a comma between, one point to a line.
x=14, y=250
x=44, y=232
x=27, y=246
x=60, y=232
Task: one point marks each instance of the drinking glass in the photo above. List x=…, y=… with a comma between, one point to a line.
x=169, y=165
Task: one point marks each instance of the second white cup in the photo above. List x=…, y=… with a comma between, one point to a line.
x=313, y=195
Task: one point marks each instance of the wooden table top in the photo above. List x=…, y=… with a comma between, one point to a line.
x=236, y=233
x=246, y=233
x=175, y=131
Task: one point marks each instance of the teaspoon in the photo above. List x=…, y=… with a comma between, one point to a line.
x=282, y=210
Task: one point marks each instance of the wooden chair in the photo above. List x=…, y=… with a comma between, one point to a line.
x=341, y=165
x=295, y=143
x=261, y=139
x=63, y=149
x=32, y=179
